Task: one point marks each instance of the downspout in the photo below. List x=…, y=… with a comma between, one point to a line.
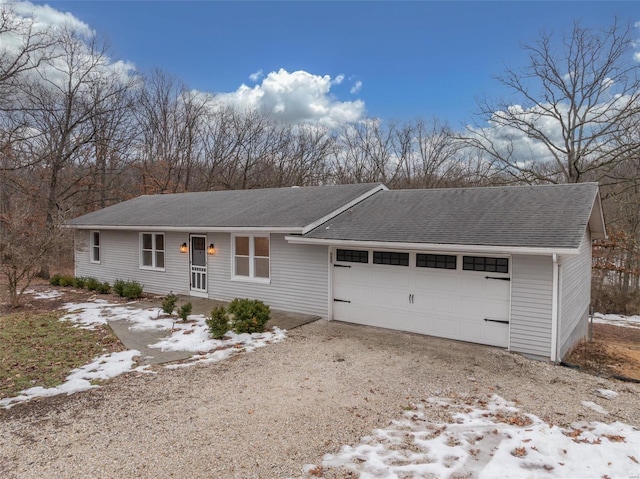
x=554, y=310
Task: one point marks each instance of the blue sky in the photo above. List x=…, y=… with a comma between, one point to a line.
x=413, y=59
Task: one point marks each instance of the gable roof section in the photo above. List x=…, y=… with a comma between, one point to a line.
x=292, y=209
x=548, y=216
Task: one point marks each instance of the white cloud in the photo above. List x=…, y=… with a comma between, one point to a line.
x=356, y=87
x=44, y=17
x=636, y=56
x=295, y=97
x=338, y=79
x=255, y=76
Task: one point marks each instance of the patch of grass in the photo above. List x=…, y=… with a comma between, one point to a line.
x=39, y=350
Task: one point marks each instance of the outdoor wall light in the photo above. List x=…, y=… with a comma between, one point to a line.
x=211, y=249
x=184, y=248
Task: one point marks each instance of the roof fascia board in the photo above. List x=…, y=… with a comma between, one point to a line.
x=208, y=229
x=343, y=208
x=597, y=224
x=454, y=248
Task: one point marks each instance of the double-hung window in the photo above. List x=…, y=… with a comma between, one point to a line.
x=152, y=251
x=95, y=247
x=251, y=257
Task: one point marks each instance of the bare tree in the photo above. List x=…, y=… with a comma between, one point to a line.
x=170, y=119
x=25, y=242
x=566, y=108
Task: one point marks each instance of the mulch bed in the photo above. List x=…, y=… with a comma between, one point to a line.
x=614, y=351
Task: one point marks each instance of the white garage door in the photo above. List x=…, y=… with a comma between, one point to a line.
x=450, y=296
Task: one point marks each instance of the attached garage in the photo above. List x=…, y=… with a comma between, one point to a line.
x=501, y=266
x=450, y=296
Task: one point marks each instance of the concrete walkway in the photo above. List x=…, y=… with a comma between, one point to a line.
x=140, y=340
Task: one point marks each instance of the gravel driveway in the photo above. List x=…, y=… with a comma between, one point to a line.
x=268, y=413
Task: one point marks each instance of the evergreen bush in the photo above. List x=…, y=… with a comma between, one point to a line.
x=169, y=303
x=184, y=311
x=248, y=315
x=218, y=322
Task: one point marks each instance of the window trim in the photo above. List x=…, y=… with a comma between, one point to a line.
x=401, y=254
x=153, y=250
x=485, y=269
x=252, y=257
x=93, y=246
x=352, y=260
x=446, y=256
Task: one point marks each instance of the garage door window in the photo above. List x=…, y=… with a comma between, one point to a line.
x=352, y=256
x=440, y=261
x=485, y=263
x=386, y=257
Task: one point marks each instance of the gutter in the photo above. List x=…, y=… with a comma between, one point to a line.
x=452, y=248
x=554, y=309
x=192, y=229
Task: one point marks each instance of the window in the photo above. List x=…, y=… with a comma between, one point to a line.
x=251, y=257
x=95, y=246
x=440, y=261
x=484, y=263
x=152, y=250
x=352, y=256
x=386, y=257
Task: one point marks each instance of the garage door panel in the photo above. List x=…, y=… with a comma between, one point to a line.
x=446, y=303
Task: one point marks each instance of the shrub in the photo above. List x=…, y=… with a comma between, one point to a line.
x=169, y=303
x=118, y=287
x=80, y=282
x=55, y=280
x=103, y=288
x=184, y=311
x=132, y=290
x=66, y=281
x=218, y=322
x=248, y=315
x=92, y=284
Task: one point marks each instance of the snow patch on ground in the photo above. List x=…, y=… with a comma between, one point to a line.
x=99, y=312
x=219, y=349
x=488, y=438
x=44, y=294
x=606, y=393
x=83, y=378
x=617, y=320
x=595, y=407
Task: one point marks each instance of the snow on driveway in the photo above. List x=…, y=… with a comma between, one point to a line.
x=192, y=336
x=486, y=439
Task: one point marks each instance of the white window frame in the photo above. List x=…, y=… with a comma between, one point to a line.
x=153, y=250
x=93, y=246
x=251, y=278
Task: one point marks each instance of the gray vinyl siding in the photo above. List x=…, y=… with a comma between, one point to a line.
x=299, y=276
x=299, y=273
x=120, y=259
x=531, y=298
x=575, y=296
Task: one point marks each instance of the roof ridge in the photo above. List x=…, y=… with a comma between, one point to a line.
x=505, y=187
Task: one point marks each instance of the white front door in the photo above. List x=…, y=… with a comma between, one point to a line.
x=198, y=262
x=450, y=303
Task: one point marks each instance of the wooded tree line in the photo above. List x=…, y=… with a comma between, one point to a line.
x=80, y=131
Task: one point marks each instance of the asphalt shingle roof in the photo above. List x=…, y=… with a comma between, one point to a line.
x=553, y=216
x=274, y=207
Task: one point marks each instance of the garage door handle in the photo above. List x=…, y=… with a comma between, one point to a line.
x=497, y=321
x=340, y=300
x=341, y=266
x=497, y=277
